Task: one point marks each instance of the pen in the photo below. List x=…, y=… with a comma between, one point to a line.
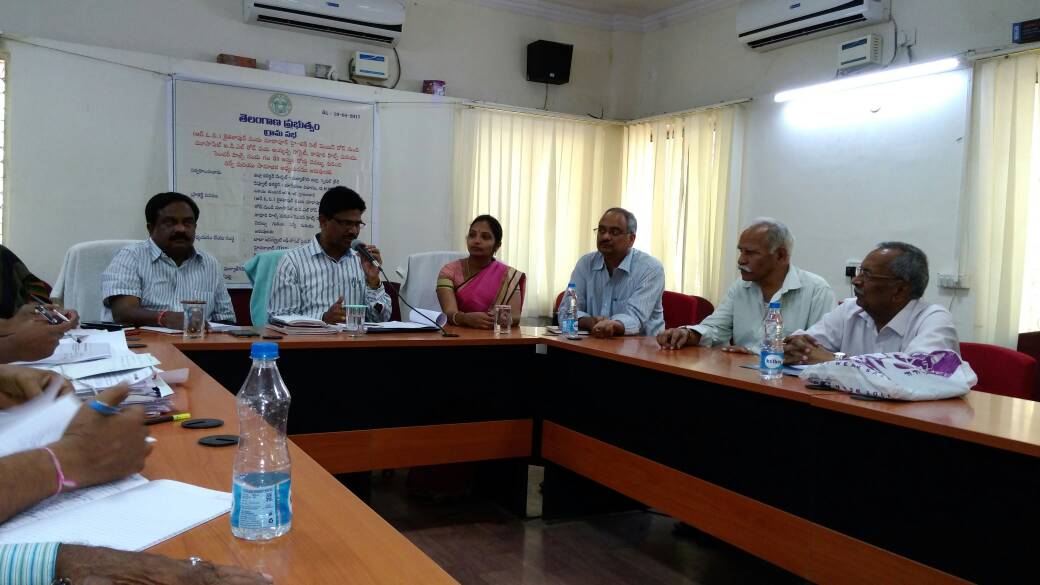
x=167, y=418
x=102, y=407
x=42, y=305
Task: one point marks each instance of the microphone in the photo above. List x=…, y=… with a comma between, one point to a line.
x=360, y=248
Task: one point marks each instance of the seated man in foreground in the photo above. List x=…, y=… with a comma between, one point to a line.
x=146, y=281
x=887, y=316
x=619, y=288
x=766, y=274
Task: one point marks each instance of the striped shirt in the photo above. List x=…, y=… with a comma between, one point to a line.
x=308, y=281
x=28, y=564
x=144, y=271
x=632, y=295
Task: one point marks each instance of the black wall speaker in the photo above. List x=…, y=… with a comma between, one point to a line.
x=549, y=62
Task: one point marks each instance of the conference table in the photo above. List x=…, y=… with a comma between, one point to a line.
x=829, y=487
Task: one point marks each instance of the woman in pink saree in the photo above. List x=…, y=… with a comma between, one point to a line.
x=469, y=288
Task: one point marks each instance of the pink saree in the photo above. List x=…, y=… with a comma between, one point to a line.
x=494, y=285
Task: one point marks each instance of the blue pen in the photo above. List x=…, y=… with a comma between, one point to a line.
x=102, y=407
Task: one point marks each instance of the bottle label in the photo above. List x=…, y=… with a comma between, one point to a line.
x=771, y=360
x=569, y=325
x=260, y=503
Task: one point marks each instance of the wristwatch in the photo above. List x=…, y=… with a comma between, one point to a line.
x=61, y=581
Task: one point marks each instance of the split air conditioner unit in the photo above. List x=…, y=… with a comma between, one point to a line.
x=376, y=21
x=767, y=24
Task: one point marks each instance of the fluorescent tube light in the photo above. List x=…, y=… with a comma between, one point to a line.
x=886, y=76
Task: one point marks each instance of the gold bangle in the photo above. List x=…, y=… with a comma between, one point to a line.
x=453, y=317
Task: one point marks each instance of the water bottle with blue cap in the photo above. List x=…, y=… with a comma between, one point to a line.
x=771, y=357
x=261, y=490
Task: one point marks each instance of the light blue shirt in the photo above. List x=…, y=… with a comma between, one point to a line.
x=804, y=299
x=308, y=281
x=632, y=295
x=144, y=271
x=28, y=564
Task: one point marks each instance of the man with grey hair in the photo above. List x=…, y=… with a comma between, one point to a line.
x=887, y=316
x=766, y=275
x=619, y=288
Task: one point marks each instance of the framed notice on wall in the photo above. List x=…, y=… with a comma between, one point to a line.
x=257, y=163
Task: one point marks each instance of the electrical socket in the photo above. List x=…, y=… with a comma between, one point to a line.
x=850, y=267
x=954, y=281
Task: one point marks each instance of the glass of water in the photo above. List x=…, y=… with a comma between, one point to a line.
x=194, y=318
x=503, y=315
x=355, y=323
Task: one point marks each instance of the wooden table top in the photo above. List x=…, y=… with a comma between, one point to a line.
x=998, y=421
x=335, y=537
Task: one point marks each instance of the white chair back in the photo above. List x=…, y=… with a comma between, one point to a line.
x=79, y=282
x=420, y=283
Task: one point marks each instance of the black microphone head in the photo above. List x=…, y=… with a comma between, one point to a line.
x=357, y=245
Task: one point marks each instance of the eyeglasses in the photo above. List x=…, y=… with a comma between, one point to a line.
x=348, y=223
x=614, y=232
x=868, y=275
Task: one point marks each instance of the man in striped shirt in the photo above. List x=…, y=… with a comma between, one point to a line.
x=146, y=281
x=321, y=277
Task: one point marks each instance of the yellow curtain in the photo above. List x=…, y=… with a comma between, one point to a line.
x=1005, y=198
x=546, y=179
x=677, y=182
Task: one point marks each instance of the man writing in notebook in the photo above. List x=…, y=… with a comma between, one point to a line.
x=94, y=449
x=146, y=281
x=766, y=274
x=319, y=278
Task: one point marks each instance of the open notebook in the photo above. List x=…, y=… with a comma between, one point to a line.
x=130, y=514
x=418, y=320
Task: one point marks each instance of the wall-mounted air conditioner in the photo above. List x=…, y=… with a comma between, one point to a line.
x=767, y=24
x=377, y=21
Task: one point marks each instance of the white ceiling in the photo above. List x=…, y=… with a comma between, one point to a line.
x=639, y=8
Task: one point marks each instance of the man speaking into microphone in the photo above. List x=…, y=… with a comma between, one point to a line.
x=321, y=277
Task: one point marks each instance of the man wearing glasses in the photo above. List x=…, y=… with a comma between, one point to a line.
x=321, y=277
x=887, y=316
x=619, y=288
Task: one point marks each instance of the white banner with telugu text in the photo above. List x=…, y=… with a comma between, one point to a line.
x=257, y=163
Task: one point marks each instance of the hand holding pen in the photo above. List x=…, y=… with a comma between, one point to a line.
x=97, y=448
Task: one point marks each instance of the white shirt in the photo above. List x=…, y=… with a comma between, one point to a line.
x=918, y=327
x=804, y=299
x=308, y=281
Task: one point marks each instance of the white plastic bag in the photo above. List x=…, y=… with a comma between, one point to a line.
x=897, y=376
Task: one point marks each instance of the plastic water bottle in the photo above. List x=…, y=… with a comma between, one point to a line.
x=771, y=360
x=568, y=313
x=261, y=490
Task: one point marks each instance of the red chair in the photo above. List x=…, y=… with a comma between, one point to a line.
x=679, y=309
x=1001, y=370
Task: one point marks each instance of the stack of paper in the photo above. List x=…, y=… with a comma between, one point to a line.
x=110, y=363
x=213, y=326
x=299, y=325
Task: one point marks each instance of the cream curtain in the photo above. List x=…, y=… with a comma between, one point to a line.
x=546, y=179
x=677, y=181
x=1004, y=188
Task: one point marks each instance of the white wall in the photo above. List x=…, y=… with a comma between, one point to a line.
x=700, y=61
x=846, y=186
x=88, y=144
x=479, y=52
